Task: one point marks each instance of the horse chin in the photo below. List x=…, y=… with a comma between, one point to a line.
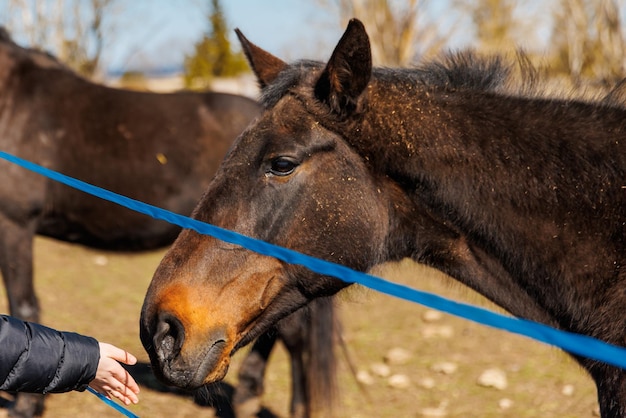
x=210, y=368
x=213, y=367
x=215, y=375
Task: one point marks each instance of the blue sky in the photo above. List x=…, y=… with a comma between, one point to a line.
x=288, y=28
x=158, y=33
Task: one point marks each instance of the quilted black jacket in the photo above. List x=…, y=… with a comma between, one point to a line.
x=38, y=359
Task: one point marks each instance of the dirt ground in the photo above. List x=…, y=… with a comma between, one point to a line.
x=100, y=294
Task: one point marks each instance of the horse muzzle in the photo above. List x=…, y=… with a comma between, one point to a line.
x=184, y=365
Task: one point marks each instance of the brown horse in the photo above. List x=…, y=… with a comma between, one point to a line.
x=520, y=196
x=157, y=148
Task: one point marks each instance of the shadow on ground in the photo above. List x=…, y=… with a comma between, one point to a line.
x=218, y=396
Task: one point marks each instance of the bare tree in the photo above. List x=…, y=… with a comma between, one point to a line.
x=70, y=29
x=588, y=40
x=609, y=63
x=494, y=20
x=394, y=29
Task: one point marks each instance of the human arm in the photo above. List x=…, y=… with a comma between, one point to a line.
x=38, y=359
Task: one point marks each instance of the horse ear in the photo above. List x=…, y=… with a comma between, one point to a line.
x=266, y=66
x=348, y=71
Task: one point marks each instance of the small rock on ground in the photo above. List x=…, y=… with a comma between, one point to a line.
x=437, y=331
x=437, y=412
x=493, y=378
x=380, y=369
x=431, y=315
x=445, y=367
x=363, y=376
x=399, y=381
x=397, y=356
x=426, y=382
x=505, y=403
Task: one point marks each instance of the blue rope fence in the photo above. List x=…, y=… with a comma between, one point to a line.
x=112, y=404
x=574, y=343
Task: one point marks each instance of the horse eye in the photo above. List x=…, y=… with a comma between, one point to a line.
x=282, y=166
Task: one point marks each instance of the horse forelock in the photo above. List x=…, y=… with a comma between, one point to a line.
x=292, y=76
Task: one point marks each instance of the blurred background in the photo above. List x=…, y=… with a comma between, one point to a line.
x=167, y=45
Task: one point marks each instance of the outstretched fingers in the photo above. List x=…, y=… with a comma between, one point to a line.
x=112, y=380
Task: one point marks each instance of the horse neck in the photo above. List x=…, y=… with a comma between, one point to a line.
x=456, y=148
x=516, y=180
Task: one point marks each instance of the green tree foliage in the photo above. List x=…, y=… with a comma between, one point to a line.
x=212, y=56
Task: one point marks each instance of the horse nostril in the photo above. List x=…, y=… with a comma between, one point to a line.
x=169, y=336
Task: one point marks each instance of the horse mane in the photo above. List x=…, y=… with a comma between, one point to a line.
x=462, y=70
x=454, y=70
x=472, y=71
x=512, y=76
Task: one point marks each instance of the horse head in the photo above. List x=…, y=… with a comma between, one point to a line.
x=288, y=180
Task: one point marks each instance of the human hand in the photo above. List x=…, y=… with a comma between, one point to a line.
x=112, y=380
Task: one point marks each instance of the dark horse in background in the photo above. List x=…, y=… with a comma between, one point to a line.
x=158, y=148
x=520, y=196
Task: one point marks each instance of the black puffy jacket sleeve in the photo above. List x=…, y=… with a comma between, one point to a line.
x=38, y=359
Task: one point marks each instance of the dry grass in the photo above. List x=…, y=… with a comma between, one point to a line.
x=100, y=294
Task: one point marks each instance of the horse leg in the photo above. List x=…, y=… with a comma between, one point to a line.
x=300, y=405
x=16, y=265
x=611, y=385
x=309, y=336
x=293, y=332
x=247, y=397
